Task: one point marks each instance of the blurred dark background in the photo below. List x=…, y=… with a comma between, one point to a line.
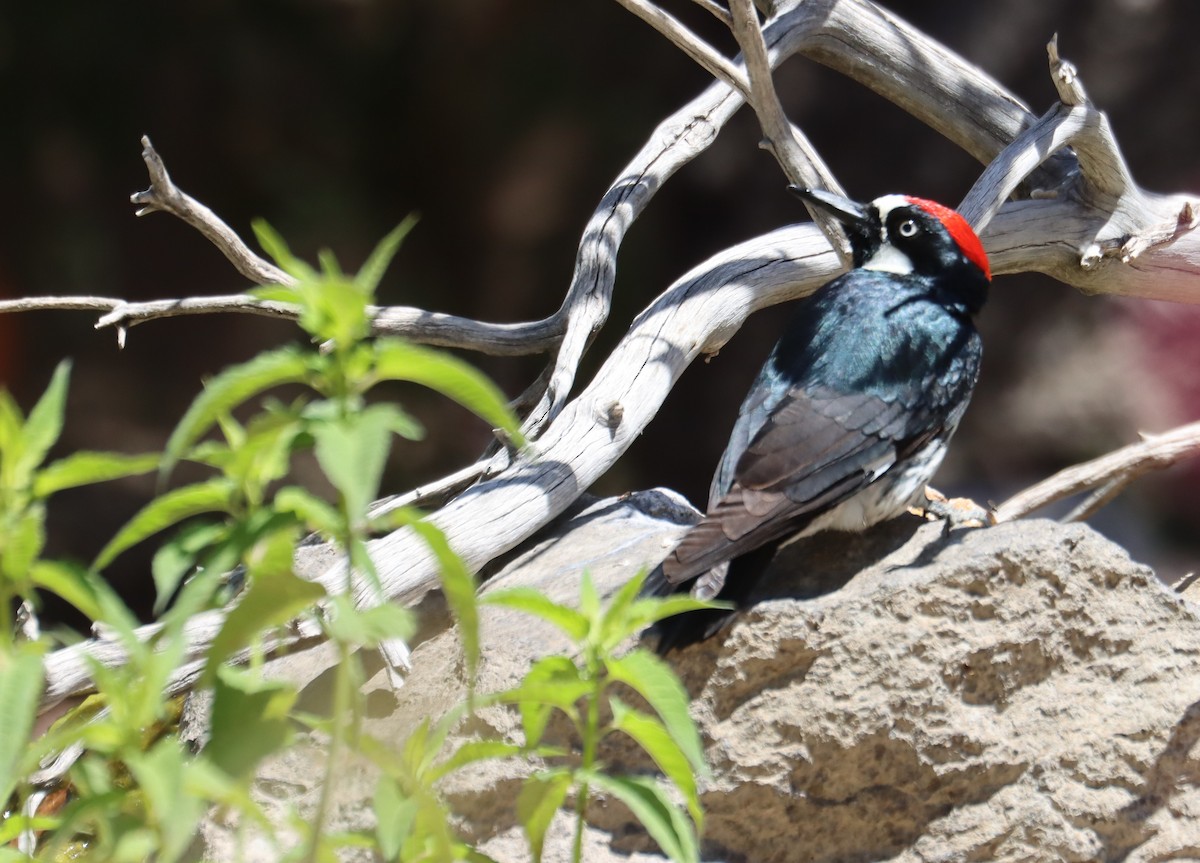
x=502, y=122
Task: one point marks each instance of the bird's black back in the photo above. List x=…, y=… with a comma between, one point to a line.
x=873, y=367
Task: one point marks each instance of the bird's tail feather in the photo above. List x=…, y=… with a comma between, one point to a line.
x=679, y=631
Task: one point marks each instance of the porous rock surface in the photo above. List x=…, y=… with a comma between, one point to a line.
x=1022, y=692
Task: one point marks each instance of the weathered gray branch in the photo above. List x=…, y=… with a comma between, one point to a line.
x=1113, y=470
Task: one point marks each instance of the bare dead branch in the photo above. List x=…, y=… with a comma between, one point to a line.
x=1122, y=466
x=717, y=10
x=801, y=162
x=164, y=195
x=707, y=57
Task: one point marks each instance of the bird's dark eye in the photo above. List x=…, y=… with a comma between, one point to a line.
x=908, y=228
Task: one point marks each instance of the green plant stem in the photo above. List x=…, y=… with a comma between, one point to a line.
x=341, y=707
x=591, y=739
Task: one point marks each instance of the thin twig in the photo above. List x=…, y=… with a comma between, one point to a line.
x=801, y=162
x=704, y=54
x=717, y=10
x=1121, y=466
x=164, y=195
x=1098, y=499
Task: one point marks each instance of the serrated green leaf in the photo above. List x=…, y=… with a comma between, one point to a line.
x=371, y=273
x=352, y=452
x=653, y=679
x=541, y=796
x=652, y=736
x=649, y=803
x=531, y=601
x=459, y=584
x=44, y=424
x=229, y=389
x=20, y=688
x=215, y=495
x=86, y=468
x=398, y=360
x=72, y=583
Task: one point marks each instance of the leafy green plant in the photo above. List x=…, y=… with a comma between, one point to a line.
x=414, y=822
x=138, y=793
x=584, y=689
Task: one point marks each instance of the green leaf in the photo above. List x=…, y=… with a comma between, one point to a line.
x=394, y=817
x=649, y=803
x=273, y=244
x=12, y=422
x=25, y=541
x=315, y=514
x=249, y=720
x=589, y=600
x=20, y=689
x=627, y=614
x=369, y=627
x=277, y=294
x=474, y=751
x=652, y=679
x=541, y=796
x=613, y=626
x=177, y=557
x=459, y=584
x=652, y=736
x=552, y=681
x=353, y=451
x=398, y=360
x=534, y=602
x=85, y=468
x=214, y=495
x=228, y=390
x=266, y=604
x=73, y=583
x=44, y=424
x=376, y=265
x=160, y=773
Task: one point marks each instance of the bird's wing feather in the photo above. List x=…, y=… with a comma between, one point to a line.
x=816, y=449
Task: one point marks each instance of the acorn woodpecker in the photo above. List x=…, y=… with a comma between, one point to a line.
x=850, y=416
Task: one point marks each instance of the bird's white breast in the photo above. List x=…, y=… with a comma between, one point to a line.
x=887, y=496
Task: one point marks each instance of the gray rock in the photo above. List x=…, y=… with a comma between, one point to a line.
x=1022, y=692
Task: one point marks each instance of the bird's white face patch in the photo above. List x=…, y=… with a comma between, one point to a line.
x=888, y=258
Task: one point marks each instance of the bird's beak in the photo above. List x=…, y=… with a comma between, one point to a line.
x=853, y=215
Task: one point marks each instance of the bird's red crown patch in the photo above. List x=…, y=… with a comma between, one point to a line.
x=962, y=232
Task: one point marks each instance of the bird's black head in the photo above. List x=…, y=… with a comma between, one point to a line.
x=906, y=235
